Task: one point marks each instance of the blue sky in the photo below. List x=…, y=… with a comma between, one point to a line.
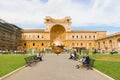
x=85, y=14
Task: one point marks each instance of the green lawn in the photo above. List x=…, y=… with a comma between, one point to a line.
x=108, y=64
x=9, y=63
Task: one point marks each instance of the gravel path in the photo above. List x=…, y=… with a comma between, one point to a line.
x=56, y=67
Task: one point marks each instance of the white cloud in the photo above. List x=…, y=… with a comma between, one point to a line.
x=33, y=12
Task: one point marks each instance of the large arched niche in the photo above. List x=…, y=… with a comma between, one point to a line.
x=57, y=38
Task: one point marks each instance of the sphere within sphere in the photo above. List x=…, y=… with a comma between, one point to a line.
x=57, y=47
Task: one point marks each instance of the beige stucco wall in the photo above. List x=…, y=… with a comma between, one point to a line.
x=110, y=42
x=70, y=38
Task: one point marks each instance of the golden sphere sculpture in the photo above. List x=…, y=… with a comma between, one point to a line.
x=57, y=47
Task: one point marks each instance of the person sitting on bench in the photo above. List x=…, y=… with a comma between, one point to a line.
x=82, y=59
x=85, y=60
x=71, y=56
x=40, y=55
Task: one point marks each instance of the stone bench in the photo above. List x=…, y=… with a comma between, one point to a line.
x=31, y=59
x=88, y=66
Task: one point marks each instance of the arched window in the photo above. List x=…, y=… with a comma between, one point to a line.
x=89, y=36
x=42, y=44
x=77, y=36
x=81, y=44
x=81, y=37
x=33, y=44
x=72, y=44
x=119, y=42
x=110, y=41
x=99, y=45
x=38, y=36
x=24, y=44
x=77, y=44
x=85, y=36
x=104, y=44
x=72, y=36
x=89, y=44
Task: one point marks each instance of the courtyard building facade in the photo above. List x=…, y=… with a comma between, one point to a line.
x=56, y=31
x=59, y=31
x=10, y=36
x=110, y=42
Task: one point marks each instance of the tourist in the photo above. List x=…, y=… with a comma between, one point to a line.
x=32, y=51
x=85, y=60
x=71, y=56
x=40, y=55
x=82, y=59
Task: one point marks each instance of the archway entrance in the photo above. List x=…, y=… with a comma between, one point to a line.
x=57, y=38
